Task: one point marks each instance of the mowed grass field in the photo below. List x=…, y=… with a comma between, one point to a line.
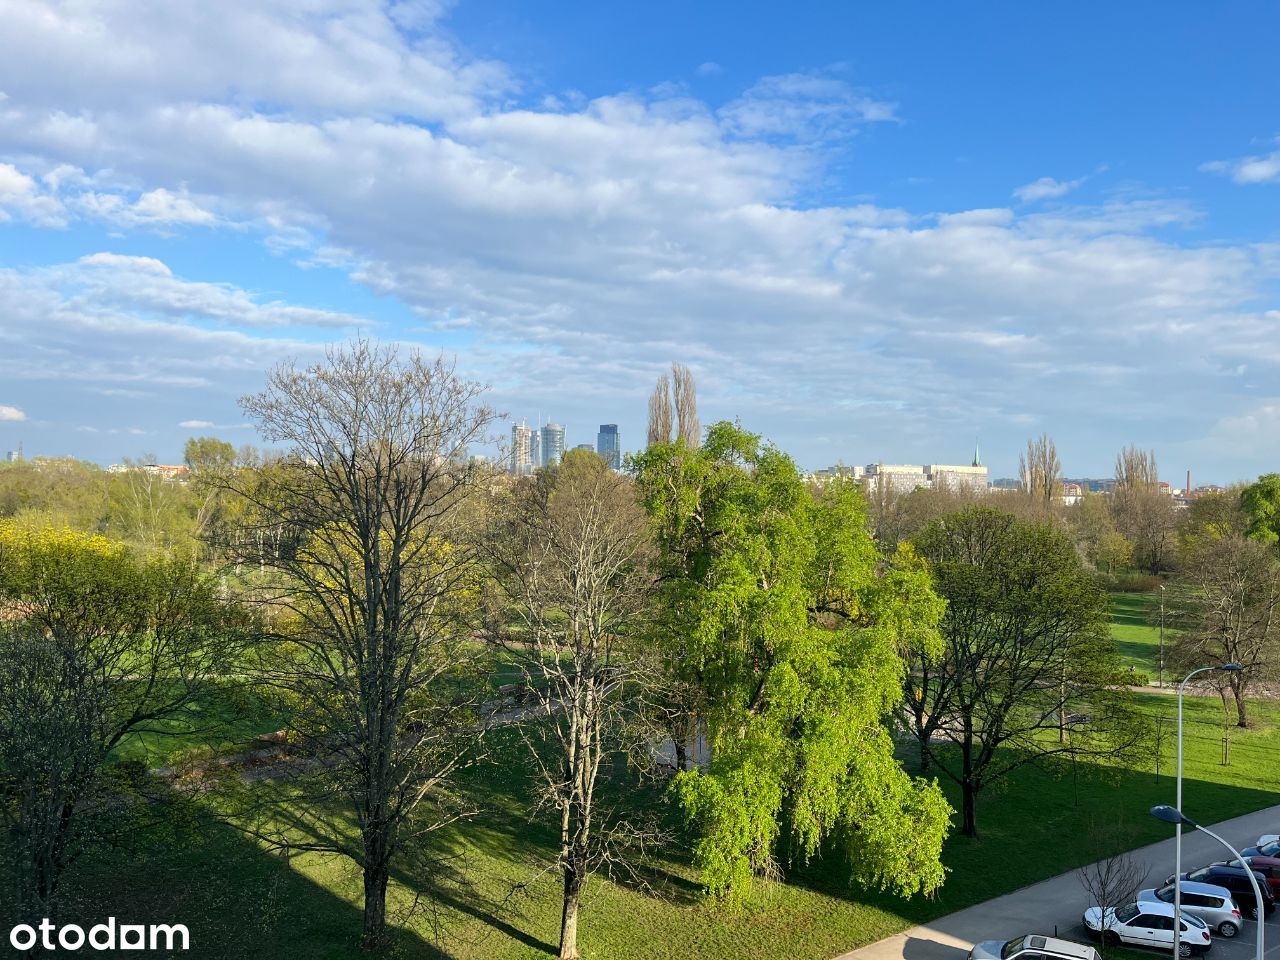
x=485, y=891
x=1137, y=639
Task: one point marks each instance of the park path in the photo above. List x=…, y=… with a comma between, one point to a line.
x=1060, y=901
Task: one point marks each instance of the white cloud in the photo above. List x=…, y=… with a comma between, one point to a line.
x=9, y=414
x=145, y=285
x=159, y=207
x=805, y=107
x=1046, y=188
x=210, y=425
x=573, y=248
x=1249, y=170
x=709, y=69
x=21, y=196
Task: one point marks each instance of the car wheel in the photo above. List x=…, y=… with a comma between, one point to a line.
x=1227, y=929
x=1184, y=949
x=1111, y=939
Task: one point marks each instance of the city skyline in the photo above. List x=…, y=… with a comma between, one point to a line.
x=861, y=239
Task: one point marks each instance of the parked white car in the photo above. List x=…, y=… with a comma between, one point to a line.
x=1267, y=838
x=1148, y=925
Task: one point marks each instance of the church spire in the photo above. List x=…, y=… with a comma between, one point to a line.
x=977, y=458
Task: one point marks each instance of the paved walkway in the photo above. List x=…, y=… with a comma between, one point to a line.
x=1060, y=901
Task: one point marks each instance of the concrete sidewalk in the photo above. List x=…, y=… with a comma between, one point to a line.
x=1059, y=901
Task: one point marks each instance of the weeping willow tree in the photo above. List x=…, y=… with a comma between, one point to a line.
x=788, y=632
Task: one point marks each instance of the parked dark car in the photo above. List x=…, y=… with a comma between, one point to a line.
x=1235, y=880
x=1269, y=867
x=1269, y=849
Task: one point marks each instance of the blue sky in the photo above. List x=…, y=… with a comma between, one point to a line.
x=875, y=231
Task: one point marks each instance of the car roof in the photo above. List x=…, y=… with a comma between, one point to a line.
x=1226, y=870
x=1195, y=886
x=1209, y=889
x=1158, y=907
x=1064, y=947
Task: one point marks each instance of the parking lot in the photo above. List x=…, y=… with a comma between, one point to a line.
x=1058, y=903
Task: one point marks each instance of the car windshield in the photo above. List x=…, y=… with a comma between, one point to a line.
x=1271, y=849
x=1199, y=874
x=1165, y=894
x=1012, y=947
x=1195, y=921
x=1125, y=914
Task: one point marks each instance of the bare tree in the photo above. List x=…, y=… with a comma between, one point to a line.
x=1114, y=879
x=572, y=557
x=688, y=430
x=1135, y=469
x=1040, y=471
x=1225, y=600
x=673, y=409
x=1144, y=515
x=661, y=413
x=373, y=608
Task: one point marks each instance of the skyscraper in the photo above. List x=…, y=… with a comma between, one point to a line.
x=535, y=449
x=520, y=453
x=608, y=445
x=552, y=444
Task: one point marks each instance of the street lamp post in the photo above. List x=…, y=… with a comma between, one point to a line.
x=1177, y=842
x=1175, y=816
x=1160, y=681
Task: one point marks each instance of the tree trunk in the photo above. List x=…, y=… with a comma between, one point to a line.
x=682, y=755
x=1242, y=718
x=569, y=916
x=376, y=871
x=968, y=791
x=968, y=814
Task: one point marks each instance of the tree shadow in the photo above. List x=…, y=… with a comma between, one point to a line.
x=238, y=900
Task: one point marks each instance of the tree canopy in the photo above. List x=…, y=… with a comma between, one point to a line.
x=788, y=631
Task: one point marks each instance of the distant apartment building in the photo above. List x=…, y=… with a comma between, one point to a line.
x=552, y=444
x=905, y=477
x=521, y=462
x=608, y=445
x=897, y=477
x=827, y=474
x=165, y=471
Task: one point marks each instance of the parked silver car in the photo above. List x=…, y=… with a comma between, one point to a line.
x=1031, y=947
x=1210, y=903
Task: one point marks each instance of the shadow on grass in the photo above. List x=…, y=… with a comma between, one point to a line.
x=1132, y=609
x=238, y=901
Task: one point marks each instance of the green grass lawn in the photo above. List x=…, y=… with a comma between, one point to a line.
x=1136, y=639
x=456, y=899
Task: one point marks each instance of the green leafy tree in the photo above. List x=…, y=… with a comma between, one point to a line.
x=787, y=631
x=1027, y=656
x=107, y=645
x=1261, y=503
x=1225, y=602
